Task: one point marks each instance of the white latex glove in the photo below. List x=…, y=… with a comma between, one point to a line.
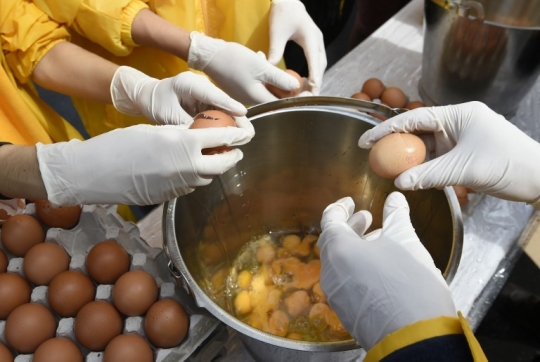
x=469, y=145
x=237, y=70
x=289, y=20
x=173, y=100
x=142, y=165
x=383, y=281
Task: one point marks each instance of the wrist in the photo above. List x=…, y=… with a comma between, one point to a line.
x=151, y=30
x=125, y=87
x=202, y=50
x=21, y=177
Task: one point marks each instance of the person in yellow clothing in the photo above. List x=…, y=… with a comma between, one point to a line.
x=227, y=40
x=43, y=157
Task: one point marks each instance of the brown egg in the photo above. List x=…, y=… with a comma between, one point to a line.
x=14, y=291
x=462, y=195
x=107, y=261
x=21, y=232
x=281, y=93
x=3, y=262
x=166, y=324
x=58, y=350
x=5, y=353
x=362, y=96
x=134, y=292
x=64, y=217
x=128, y=347
x=394, y=97
x=414, y=104
x=44, y=261
x=396, y=153
x=213, y=118
x=28, y=326
x=373, y=87
x=380, y=117
x=69, y=291
x=96, y=324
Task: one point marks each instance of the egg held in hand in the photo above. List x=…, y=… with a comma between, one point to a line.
x=209, y=119
x=396, y=153
x=281, y=93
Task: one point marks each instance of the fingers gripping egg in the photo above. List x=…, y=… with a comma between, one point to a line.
x=396, y=153
x=213, y=118
x=281, y=93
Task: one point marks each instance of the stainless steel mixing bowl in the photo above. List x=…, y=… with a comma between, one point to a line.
x=303, y=157
x=484, y=50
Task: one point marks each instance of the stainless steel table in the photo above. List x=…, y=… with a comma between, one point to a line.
x=492, y=227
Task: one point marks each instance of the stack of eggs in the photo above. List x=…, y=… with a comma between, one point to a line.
x=374, y=90
x=79, y=284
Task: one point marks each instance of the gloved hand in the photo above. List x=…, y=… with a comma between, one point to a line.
x=237, y=70
x=142, y=165
x=383, y=281
x=289, y=20
x=469, y=145
x=173, y=100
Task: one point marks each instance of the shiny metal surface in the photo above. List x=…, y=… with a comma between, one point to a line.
x=481, y=50
x=303, y=157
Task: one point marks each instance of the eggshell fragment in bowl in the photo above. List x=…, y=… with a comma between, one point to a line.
x=396, y=153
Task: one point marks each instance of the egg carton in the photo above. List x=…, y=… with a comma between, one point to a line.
x=206, y=335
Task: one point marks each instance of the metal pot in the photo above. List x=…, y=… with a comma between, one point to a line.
x=484, y=50
x=303, y=157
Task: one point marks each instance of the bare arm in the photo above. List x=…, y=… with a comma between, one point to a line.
x=150, y=30
x=71, y=70
x=21, y=177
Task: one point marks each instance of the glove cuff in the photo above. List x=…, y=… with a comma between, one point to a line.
x=53, y=166
x=202, y=50
x=123, y=84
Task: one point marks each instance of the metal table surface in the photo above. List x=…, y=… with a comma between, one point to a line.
x=492, y=227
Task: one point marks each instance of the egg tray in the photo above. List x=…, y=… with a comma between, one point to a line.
x=97, y=223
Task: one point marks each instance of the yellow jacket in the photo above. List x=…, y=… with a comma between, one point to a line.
x=104, y=27
x=26, y=35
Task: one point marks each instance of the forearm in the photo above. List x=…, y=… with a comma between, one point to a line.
x=19, y=173
x=71, y=70
x=149, y=29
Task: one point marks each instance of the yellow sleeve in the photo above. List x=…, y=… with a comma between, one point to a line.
x=424, y=330
x=26, y=35
x=104, y=22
